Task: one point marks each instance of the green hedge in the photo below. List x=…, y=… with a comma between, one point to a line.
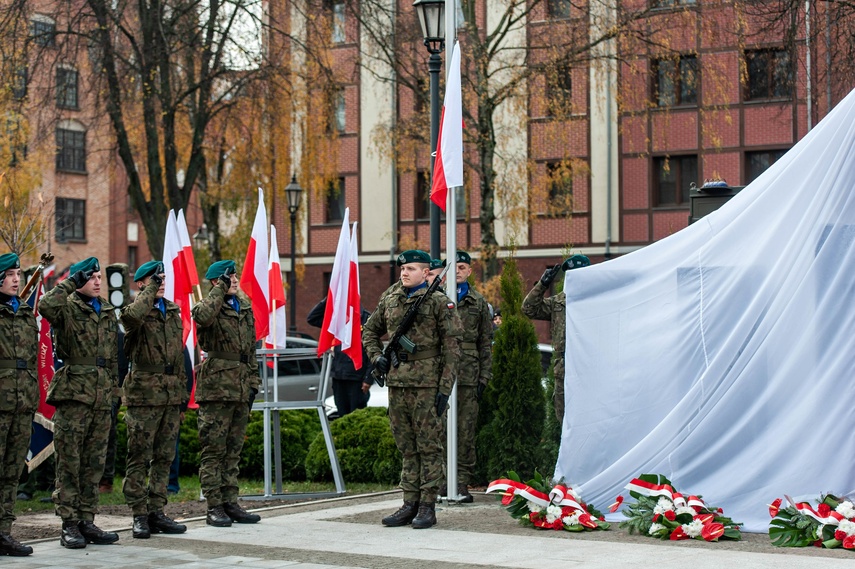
x=365, y=448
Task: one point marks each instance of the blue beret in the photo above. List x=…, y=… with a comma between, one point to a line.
x=436, y=264
x=9, y=261
x=575, y=262
x=219, y=269
x=413, y=256
x=90, y=264
x=148, y=269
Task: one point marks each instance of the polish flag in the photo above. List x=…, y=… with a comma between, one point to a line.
x=354, y=306
x=254, y=279
x=448, y=164
x=334, y=330
x=276, y=310
x=191, y=281
x=187, y=250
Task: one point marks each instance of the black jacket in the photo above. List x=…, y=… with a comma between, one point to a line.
x=342, y=365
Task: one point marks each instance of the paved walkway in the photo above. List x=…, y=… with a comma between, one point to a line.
x=342, y=534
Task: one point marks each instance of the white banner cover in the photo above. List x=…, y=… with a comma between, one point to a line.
x=722, y=356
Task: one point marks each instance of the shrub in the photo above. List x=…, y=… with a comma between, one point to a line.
x=365, y=448
x=297, y=427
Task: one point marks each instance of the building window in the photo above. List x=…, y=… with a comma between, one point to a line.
x=558, y=9
x=559, y=91
x=422, y=193
x=338, y=31
x=70, y=220
x=66, y=88
x=672, y=178
x=43, y=31
x=339, y=110
x=672, y=3
x=71, y=150
x=19, y=85
x=676, y=81
x=770, y=75
x=132, y=258
x=335, y=201
x=560, y=185
x=758, y=162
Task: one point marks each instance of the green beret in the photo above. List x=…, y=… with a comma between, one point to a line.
x=219, y=269
x=463, y=257
x=90, y=264
x=413, y=256
x=575, y=262
x=9, y=261
x=148, y=269
x=436, y=264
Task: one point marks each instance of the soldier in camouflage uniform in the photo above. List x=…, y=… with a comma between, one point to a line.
x=154, y=392
x=474, y=370
x=553, y=309
x=419, y=387
x=225, y=382
x=83, y=391
x=19, y=394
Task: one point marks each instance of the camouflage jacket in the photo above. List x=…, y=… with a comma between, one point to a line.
x=435, y=329
x=222, y=331
x=552, y=309
x=19, y=340
x=476, y=343
x=82, y=333
x=153, y=339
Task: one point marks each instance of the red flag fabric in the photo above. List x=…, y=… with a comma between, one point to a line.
x=354, y=306
x=276, y=309
x=448, y=163
x=254, y=278
x=334, y=328
x=44, y=361
x=187, y=250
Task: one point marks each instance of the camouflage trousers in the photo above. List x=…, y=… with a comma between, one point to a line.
x=467, y=423
x=15, y=431
x=419, y=435
x=222, y=427
x=151, y=449
x=80, y=438
x=558, y=396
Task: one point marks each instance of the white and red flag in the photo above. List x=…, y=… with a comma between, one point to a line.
x=177, y=287
x=354, y=305
x=448, y=164
x=184, y=294
x=276, y=338
x=334, y=330
x=254, y=278
x=187, y=251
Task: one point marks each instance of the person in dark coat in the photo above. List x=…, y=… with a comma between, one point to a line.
x=350, y=386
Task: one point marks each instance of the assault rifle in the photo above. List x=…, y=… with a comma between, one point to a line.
x=399, y=338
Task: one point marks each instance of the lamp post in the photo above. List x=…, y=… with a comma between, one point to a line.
x=201, y=237
x=432, y=19
x=293, y=193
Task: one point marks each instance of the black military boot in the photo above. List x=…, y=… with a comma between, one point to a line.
x=465, y=496
x=239, y=515
x=93, y=534
x=160, y=522
x=403, y=516
x=141, y=529
x=11, y=546
x=217, y=517
x=71, y=536
x=426, y=517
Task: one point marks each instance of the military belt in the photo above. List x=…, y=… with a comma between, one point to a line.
x=468, y=346
x=97, y=361
x=13, y=364
x=408, y=357
x=230, y=356
x=155, y=368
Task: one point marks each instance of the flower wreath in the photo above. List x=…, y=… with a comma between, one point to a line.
x=830, y=525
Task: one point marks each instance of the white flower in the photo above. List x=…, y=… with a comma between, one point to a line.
x=819, y=531
x=846, y=509
x=574, y=494
x=847, y=527
x=686, y=510
x=663, y=505
x=534, y=507
x=654, y=528
x=572, y=519
x=693, y=529
x=552, y=513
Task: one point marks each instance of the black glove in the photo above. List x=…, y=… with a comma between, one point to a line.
x=2, y=277
x=441, y=403
x=549, y=275
x=157, y=279
x=226, y=277
x=480, y=392
x=252, y=393
x=381, y=364
x=80, y=278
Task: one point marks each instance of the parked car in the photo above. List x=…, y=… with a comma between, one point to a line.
x=298, y=379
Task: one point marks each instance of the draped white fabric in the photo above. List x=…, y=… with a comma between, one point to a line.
x=723, y=356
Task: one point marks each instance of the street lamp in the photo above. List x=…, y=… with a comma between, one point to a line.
x=293, y=193
x=432, y=19
x=201, y=237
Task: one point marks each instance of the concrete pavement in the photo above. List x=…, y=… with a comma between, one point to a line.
x=345, y=534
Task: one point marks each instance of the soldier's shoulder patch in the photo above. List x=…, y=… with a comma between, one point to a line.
x=449, y=305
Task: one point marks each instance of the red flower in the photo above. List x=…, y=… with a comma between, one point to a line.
x=840, y=535
x=705, y=518
x=618, y=501
x=712, y=531
x=567, y=511
x=823, y=510
x=655, y=518
x=849, y=542
x=535, y=518
x=678, y=534
x=558, y=524
x=817, y=543
x=588, y=521
x=670, y=515
x=775, y=507
x=507, y=498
